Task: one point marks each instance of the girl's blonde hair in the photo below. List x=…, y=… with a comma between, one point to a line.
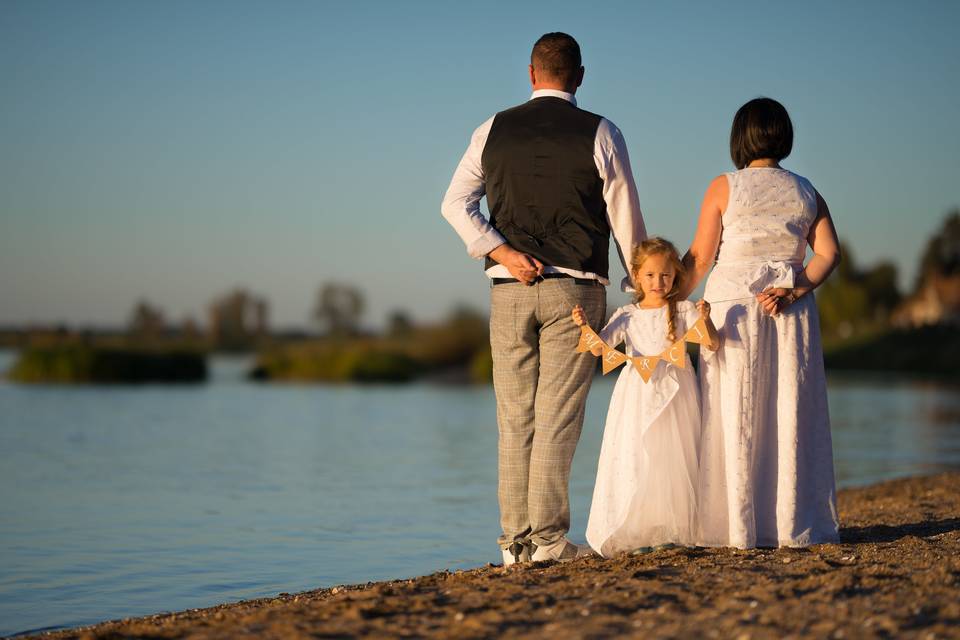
x=659, y=246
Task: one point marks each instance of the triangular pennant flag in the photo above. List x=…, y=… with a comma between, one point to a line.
x=589, y=341
x=698, y=333
x=676, y=354
x=612, y=359
x=645, y=365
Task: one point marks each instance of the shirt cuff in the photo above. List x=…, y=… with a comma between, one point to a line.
x=486, y=243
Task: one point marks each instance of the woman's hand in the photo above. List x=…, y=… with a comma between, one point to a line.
x=578, y=316
x=704, y=308
x=773, y=300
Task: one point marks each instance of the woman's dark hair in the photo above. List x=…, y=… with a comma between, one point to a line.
x=761, y=129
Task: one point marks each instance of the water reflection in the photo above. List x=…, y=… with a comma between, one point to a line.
x=885, y=428
x=127, y=501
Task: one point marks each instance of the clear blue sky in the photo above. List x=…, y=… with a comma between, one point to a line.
x=173, y=150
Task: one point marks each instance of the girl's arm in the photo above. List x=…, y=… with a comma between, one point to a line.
x=703, y=251
x=826, y=256
x=704, y=308
x=580, y=319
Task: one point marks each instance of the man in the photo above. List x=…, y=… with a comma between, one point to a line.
x=557, y=181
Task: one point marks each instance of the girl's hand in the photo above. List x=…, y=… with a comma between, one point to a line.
x=578, y=316
x=775, y=300
x=704, y=308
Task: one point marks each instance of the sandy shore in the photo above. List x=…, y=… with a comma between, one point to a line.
x=895, y=573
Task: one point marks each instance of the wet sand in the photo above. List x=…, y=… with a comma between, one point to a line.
x=896, y=573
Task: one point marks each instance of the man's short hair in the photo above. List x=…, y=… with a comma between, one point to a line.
x=557, y=55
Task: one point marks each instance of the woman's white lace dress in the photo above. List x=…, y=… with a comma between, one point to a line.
x=766, y=460
x=646, y=486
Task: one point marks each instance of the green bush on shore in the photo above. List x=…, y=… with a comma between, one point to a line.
x=481, y=367
x=78, y=364
x=458, y=348
x=336, y=363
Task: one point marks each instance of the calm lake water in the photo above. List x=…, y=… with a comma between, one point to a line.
x=127, y=501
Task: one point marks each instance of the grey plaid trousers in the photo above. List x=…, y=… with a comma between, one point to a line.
x=541, y=385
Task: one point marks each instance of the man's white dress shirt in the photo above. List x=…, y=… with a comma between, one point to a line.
x=461, y=204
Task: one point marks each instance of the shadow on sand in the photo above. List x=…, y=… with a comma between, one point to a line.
x=892, y=533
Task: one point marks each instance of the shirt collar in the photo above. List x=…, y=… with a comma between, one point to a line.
x=553, y=93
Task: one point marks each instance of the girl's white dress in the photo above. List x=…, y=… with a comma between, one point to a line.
x=645, y=493
x=766, y=462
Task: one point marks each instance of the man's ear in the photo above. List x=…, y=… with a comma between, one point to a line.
x=580, y=77
x=533, y=76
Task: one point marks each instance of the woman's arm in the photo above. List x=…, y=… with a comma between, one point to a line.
x=703, y=251
x=826, y=256
x=826, y=251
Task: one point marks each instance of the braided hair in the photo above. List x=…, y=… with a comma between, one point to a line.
x=640, y=253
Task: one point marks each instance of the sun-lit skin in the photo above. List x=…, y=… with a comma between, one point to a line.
x=655, y=277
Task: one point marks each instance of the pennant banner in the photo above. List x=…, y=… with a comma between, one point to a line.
x=645, y=366
x=676, y=354
x=698, y=333
x=589, y=341
x=612, y=359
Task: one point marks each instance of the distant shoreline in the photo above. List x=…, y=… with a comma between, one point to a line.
x=925, y=353
x=896, y=572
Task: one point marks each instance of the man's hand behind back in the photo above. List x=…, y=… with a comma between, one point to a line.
x=521, y=266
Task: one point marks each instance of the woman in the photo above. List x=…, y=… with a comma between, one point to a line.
x=766, y=460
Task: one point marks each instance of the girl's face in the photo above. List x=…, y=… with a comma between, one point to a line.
x=655, y=277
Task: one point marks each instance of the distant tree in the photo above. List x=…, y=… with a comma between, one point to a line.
x=399, y=324
x=338, y=309
x=453, y=342
x=846, y=270
x=880, y=283
x=471, y=327
x=852, y=298
x=146, y=321
x=942, y=254
x=843, y=305
x=466, y=315
x=238, y=320
x=189, y=328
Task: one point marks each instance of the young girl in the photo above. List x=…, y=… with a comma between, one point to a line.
x=645, y=493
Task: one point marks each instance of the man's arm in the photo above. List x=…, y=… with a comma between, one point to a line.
x=461, y=204
x=461, y=208
x=619, y=192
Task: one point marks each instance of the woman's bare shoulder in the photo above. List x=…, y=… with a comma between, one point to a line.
x=718, y=191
